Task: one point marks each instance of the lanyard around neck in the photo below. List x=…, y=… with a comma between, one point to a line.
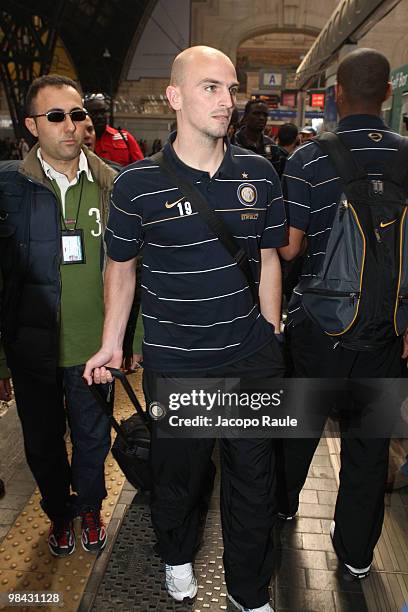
x=67, y=229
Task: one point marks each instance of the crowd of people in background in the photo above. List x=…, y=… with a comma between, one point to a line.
x=119, y=145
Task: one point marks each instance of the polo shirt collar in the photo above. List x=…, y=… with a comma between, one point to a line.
x=226, y=169
x=54, y=175
x=361, y=121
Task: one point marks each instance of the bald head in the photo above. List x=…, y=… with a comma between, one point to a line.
x=187, y=60
x=202, y=92
x=363, y=76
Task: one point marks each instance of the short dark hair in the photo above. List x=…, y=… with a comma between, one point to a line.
x=47, y=80
x=364, y=74
x=287, y=134
x=250, y=104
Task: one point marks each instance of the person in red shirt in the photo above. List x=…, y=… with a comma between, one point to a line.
x=116, y=145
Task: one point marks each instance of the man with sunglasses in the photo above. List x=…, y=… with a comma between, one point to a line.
x=53, y=209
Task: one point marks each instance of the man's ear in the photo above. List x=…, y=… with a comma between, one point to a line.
x=174, y=97
x=340, y=97
x=337, y=91
x=31, y=126
x=388, y=93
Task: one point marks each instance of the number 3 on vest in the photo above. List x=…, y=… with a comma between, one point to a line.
x=97, y=212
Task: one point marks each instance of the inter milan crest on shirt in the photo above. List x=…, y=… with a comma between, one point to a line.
x=375, y=136
x=247, y=194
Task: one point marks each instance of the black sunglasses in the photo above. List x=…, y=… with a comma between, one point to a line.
x=58, y=116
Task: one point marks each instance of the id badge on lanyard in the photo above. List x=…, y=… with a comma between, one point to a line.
x=73, y=247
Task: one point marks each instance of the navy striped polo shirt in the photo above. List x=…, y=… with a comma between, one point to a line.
x=312, y=190
x=197, y=308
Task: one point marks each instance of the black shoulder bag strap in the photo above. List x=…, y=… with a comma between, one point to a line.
x=214, y=222
x=341, y=157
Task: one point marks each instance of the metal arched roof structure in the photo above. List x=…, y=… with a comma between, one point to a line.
x=349, y=22
x=87, y=28
x=97, y=35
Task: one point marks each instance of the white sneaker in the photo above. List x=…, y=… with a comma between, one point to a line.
x=356, y=572
x=265, y=608
x=180, y=581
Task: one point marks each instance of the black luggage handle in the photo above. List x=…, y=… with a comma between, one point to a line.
x=116, y=373
x=120, y=375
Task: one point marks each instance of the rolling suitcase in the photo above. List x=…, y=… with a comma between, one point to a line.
x=132, y=444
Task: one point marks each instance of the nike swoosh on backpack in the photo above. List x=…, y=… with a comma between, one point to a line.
x=382, y=224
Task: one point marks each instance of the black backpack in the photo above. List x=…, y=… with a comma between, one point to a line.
x=359, y=295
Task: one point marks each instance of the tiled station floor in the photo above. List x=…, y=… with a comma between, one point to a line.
x=128, y=575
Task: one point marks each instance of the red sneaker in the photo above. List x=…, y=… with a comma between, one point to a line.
x=61, y=538
x=93, y=531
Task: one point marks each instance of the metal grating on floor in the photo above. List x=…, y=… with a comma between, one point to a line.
x=307, y=574
x=135, y=576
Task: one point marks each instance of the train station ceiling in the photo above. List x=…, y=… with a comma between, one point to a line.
x=97, y=34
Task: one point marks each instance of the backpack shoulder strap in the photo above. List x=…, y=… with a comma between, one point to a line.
x=341, y=157
x=398, y=172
